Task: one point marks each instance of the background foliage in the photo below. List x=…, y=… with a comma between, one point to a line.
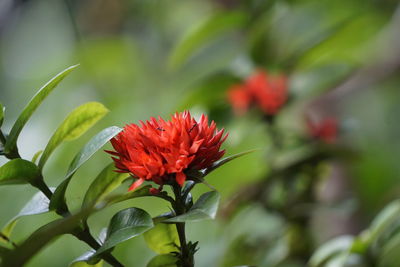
x=150, y=58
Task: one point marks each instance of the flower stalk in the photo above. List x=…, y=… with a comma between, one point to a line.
x=186, y=255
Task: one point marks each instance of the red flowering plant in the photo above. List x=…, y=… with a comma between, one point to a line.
x=178, y=153
x=265, y=91
x=325, y=129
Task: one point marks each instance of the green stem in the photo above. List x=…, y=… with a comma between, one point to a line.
x=179, y=206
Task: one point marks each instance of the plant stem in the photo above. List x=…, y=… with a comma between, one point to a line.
x=185, y=254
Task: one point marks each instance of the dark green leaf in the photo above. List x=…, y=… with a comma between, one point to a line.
x=104, y=183
x=1, y=114
x=331, y=249
x=213, y=26
x=165, y=260
x=221, y=162
x=141, y=192
x=125, y=225
x=18, y=171
x=97, y=142
x=32, y=106
x=205, y=208
x=75, y=124
x=162, y=238
x=87, y=260
x=84, y=264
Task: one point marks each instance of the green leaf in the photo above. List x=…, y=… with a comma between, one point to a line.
x=41, y=237
x=1, y=114
x=330, y=249
x=162, y=238
x=18, y=171
x=76, y=124
x=97, y=142
x=164, y=260
x=390, y=255
x=125, y=225
x=32, y=106
x=87, y=260
x=141, y=192
x=225, y=160
x=38, y=204
x=84, y=264
x=382, y=221
x=212, y=27
x=36, y=156
x=205, y=208
x=104, y=183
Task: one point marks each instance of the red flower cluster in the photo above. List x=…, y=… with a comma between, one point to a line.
x=161, y=151
x=269, y=93
x=325, y=130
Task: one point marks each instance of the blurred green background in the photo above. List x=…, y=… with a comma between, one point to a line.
x=154, y=57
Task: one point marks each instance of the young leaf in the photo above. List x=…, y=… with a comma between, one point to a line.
x=213, y=26
x=18, y=171
x=76, y=124
x=330, y=249
x=104, y=183
x=205, y=208
x=97, y=142
x=36, y=156
x=32, y=106
x=38, y=204
x=162, y=238
x=221, y=162
x=125, y=225
x=164, y=260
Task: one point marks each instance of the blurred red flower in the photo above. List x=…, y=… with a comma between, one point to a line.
x=268, y=92
x=240, y=98
x=325, y=130
x=161, y=151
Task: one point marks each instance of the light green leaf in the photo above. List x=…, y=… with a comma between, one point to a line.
x=331, y=249
x=18, y=171
x=382, y=221
x=205, y=208
x=390, y=255
x=32, y=106
x=38, y=204
x=162, y=238
x=125, y=225
x=164, y=260
x=75, y=124
x=97, y=142
x=214, y=26
x=104, y=183
x=36, y=156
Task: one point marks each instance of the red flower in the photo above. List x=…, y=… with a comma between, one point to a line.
x=161, y=151
x=269, y=92
x=326, y=130
x=240, y=98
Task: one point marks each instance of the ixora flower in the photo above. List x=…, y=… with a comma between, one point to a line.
x=325, y=130
x=162, y=151
x=268, y=92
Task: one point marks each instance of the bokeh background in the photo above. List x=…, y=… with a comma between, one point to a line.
x=155, y=57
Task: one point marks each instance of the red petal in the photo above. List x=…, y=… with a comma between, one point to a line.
x=136, y=184
x=180, y=178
